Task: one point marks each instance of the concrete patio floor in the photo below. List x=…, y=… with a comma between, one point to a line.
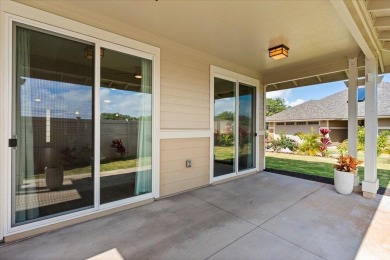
x=263, y=216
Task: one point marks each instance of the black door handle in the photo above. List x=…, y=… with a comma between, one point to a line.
x=13, y=142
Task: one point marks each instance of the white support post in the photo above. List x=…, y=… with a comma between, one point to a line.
x=353, y=111
x=370, y=185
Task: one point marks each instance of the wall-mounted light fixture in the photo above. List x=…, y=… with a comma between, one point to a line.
x=89, y=52
x=278, y=52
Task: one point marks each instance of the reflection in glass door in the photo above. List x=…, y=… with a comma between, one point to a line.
x=125, y=126
x=234, y=127
x=246, y=127
x=53, y=124
x=224, y=127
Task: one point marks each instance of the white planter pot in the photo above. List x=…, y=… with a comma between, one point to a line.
x=343, y=182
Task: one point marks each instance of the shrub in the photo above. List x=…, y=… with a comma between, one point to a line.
x=300, y=134
x=382, y=141
x=343, y=147
x=311, y=144
x=282, y=142
x=360, y=138
x=226, y=139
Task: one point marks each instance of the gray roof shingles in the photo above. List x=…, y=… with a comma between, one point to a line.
x=333, y=107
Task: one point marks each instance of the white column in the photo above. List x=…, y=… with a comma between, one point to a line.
x=352, y=107
x=370, y=184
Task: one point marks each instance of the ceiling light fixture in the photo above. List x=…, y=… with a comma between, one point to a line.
x=138, y=76
x=278, y=52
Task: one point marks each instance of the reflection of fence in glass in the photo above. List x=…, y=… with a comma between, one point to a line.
x=71, y=143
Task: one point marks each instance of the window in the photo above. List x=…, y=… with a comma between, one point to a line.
x=290, y=123
x=301, y=123
x=313, y=123
x=280, y=123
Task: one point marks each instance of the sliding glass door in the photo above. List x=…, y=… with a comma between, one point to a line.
x=246, y=127
x=54, y=120
x=125, y=126
x=53, y=126
x=234, y=127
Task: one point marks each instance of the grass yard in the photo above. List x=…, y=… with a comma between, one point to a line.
x=104, y=167
x=318, y=166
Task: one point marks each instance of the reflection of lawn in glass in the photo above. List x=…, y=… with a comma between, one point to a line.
x=227, y=152
x=107, y=165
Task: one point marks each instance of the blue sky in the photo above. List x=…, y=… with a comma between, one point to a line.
x=297, y=96
x=66, y=100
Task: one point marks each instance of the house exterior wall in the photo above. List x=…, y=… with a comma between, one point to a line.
x=338, y=135
x=384, y=123
x=293, y=129
x=184, y=97
x=338, y=123
x=175, y=177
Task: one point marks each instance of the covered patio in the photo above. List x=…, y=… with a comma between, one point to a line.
x=262, y=216
x=173, y=53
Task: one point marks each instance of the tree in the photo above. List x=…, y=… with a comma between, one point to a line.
x=274, y=106
x=116, y=116
x=226, y=115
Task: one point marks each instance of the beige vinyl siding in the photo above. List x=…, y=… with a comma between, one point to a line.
x=175, y=177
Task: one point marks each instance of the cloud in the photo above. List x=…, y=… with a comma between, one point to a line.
x=64, y=100
x=295, y=103
x=286, y=95
x=279, y=94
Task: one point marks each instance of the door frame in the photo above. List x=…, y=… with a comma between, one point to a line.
x=11, y=12
x=237, y=78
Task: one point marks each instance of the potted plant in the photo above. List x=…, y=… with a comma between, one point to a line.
x=344, y=174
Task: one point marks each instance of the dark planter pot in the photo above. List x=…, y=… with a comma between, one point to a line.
x=54, y=177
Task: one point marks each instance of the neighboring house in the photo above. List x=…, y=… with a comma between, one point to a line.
x=331, y=112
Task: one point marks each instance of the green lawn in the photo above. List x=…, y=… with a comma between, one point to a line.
x=318, y=166
x=223, y=153
x=105, y=166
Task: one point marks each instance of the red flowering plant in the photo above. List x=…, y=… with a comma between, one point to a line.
x=117, y=144
x=325, y=140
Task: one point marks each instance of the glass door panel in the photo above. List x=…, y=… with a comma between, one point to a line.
x=125, y=126
x=53, y=124
x=224, y=127
x=246, y=127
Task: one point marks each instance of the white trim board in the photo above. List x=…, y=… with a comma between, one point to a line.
x=173, y=134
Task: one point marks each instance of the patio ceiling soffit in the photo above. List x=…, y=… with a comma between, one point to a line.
x=369, y=23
